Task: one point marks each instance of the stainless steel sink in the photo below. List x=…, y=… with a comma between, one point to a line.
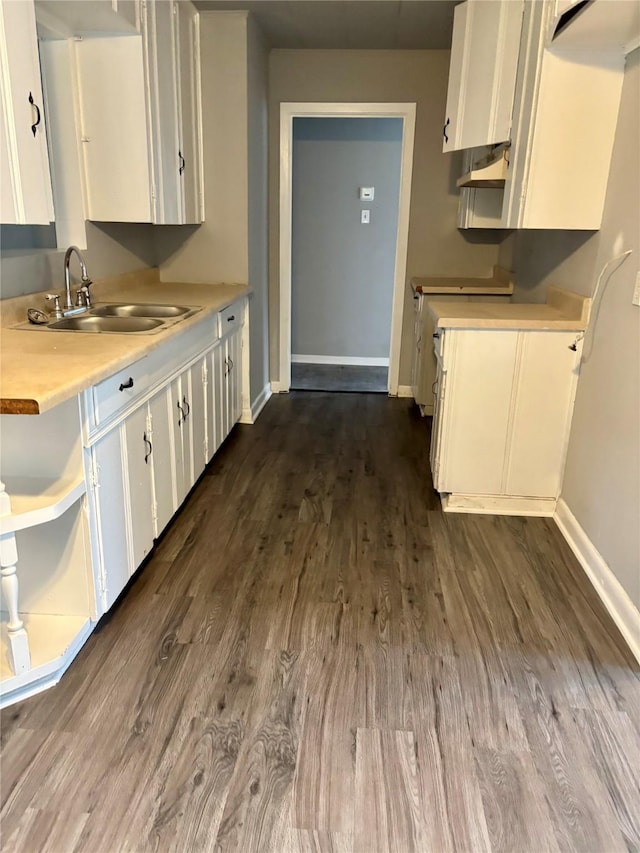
x=140, y=310
x=106, y=324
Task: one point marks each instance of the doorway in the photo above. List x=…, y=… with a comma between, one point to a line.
x=289, y=112
x=345, y=188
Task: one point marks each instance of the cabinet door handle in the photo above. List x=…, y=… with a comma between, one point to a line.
x=436, y=336
x=127, y=384
x=231, y=318
x=184, y=400
x=226, y=367
x=181, y=416
x=230, y=364
x=34, y=127
x=150, y=451
x=444, y=129
x=182, y=163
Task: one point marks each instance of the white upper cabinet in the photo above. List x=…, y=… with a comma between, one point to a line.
x=482, y=74
x=171, y=35
x=26, y=197
x=565, y=111
x=140, y=119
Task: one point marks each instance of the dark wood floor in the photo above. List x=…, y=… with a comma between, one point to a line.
x=316, y=658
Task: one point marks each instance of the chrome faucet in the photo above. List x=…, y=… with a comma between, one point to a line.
x=86, y=281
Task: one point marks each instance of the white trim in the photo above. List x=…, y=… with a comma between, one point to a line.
x=279, y=388
x=611, y=592
x=402, y=391
x=250, y=416
x=289, y=111
x=366, y=360
x=498, y=504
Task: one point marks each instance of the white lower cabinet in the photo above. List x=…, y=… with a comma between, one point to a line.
x=502, y=417
x=143, y=467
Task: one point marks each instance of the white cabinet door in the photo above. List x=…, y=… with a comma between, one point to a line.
x=162, y=460
x=171, y=37
x=139, y=485
x=234, y=376
x=189, y=123
x=216, y=397
x=482, y=75
x=180, y=439
x=26, y=180
x=108, y=508
x=115, y=131
x=195, y=405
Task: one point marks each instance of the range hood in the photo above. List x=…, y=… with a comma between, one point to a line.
x=489, y=172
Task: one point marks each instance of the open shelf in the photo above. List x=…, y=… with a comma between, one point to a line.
x=36, y=500
x=54, y=640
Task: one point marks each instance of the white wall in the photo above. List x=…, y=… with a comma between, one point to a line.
x=342, y=270
x=602, y=478
x=436, y=246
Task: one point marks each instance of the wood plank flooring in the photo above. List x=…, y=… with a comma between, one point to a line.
x=339, y=377
x=316, y=658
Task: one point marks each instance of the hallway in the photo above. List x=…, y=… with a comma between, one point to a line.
x=316, y=658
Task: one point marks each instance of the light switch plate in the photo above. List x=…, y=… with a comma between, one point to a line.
x=636, y=291
x=365, y=217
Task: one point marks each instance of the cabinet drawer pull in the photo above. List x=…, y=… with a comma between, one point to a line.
x=150, y=451
x=182, y=163
x=184, y=400
x=444, y=129
x=34, y=127
x=231, y=318
x=127, y=384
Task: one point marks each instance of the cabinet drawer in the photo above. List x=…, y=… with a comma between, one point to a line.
x=230, y=319
x=118, y=392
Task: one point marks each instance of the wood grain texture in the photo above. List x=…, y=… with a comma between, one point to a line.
x=315, y=658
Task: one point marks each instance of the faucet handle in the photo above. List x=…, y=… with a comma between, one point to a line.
x=84, y=291
x=56, y=304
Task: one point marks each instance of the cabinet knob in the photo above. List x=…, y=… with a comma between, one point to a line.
x=444, y=129
x=34, y=127
x=127, y=384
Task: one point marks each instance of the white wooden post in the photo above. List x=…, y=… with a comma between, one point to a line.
x=18, y=639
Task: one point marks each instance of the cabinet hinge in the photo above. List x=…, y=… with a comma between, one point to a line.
x=94, y=475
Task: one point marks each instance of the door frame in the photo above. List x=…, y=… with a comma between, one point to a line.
x=289, y=111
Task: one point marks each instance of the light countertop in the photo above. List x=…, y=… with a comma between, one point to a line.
x=501, y=283
x=563, y=311
x=40, y=368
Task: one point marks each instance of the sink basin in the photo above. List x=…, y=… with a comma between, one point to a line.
x=106, y=324
x=140, y=310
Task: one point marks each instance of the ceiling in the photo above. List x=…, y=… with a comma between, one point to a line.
x=354, y=24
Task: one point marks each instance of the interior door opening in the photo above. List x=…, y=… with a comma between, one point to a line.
x=345, y=193
x=335, y=269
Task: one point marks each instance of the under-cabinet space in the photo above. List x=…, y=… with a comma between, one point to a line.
x=26, y=197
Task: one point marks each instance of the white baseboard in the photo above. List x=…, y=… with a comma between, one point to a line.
x=498, y=505
x=279, y=387
x=365, y=361
x=403, y=391
x=610, y=590
x=251, y=416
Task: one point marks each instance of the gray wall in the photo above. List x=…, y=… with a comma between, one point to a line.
x=602, y=479
x=112, y=248
x=343, y=271
x=436, y=246
x=257, y=93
